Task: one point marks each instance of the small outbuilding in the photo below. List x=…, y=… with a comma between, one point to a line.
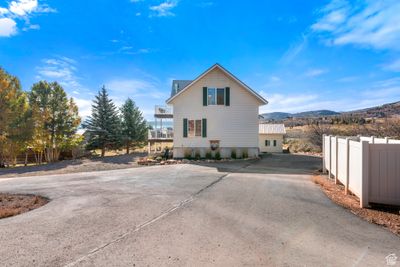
x=270, y=137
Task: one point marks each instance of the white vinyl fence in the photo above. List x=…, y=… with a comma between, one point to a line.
x=369, y=167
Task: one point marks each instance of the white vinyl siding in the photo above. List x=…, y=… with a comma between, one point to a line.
x=234, y=126
x=271, y=142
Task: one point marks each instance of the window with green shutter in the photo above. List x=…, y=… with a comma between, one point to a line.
x=185, y=128
x=227, y=96
x=204, y=96
x=204, y=128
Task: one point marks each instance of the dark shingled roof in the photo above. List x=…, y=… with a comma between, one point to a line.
x=178, y=85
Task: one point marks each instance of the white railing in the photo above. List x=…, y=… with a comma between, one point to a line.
x=162, y=110
x=161, y=134
x=369, y=167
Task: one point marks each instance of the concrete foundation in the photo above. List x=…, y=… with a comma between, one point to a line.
x=225, y=152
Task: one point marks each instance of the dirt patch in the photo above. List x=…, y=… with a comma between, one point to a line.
x=74, y=166
x=387, y=216
x=11, y=205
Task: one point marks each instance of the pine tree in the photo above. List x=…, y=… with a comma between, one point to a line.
x=103, y=125
x=133, y=125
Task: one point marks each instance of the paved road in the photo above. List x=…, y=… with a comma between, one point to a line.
x=247, y=213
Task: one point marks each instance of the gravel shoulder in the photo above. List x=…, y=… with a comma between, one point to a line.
x=74, y=166
x=386, y=216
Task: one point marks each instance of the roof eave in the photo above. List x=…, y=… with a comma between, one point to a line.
x=259, y=97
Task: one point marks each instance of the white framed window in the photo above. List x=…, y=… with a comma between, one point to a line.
x=194, y=128
x=215, y=96
x=267, y=143
x=198, y=128
x=211, y=96
x=220, y=96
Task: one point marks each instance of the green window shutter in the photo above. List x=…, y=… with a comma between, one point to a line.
x=185, y=127
x=204, y=128
x=204, y=96
x=227, y=96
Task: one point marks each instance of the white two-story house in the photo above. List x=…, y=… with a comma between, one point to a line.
x=215, y=112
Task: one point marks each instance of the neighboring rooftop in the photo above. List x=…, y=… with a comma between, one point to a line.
x=266, y=128
x=178, y=85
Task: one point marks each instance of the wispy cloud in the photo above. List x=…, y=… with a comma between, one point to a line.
x=287, y=103
x=315, y=72
x=348, y=79
x=379, y=92
x=387, y=89
x=134, y=88
x=61, y=69
x=129, y=50
x=294, y=50
x=368, y=24
x=205, y=4
x=164, y=9
x=20, y=10
x=64, y=70
x=393, y=66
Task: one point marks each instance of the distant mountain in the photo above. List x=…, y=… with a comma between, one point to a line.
x=307, y=114
x=385, y=110
x=316, y=113
x=276, y=116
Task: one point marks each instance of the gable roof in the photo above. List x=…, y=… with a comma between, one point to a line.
x=178, y=85
x=173, y=96
x=266, y=128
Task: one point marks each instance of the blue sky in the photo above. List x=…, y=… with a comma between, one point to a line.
x=300, y=55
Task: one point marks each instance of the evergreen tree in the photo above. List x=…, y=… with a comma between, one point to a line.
x=133, y=125
x=103, y=125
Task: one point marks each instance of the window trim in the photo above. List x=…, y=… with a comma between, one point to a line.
x=193, y=134
x=267, y=142
x=223, y=98
x=216, y=96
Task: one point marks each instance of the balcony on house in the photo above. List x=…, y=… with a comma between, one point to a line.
x=163, y=112
x=162, y=134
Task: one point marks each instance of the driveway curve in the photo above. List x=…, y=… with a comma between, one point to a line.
x=257, y=213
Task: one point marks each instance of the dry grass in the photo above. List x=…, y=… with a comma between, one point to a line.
x=11, y=205
x=386, y=216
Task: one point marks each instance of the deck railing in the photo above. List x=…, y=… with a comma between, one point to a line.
x=161, y=134
x=162, y=110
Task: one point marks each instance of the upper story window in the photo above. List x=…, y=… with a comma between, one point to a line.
x=215, y=96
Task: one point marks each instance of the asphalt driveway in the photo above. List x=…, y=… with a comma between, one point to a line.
x=243, y=213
